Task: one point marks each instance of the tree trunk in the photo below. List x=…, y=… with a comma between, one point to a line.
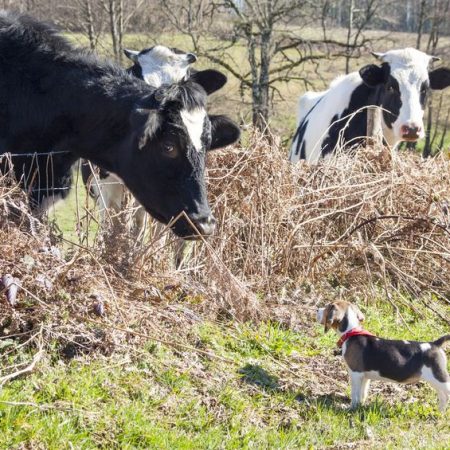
x=262, y=107
x=349, y=35
x=408, y=18
x=90, y=24
x=115, y=24
x=339, y=14
x=420, y=24
x=120, y=30
x=427, y=148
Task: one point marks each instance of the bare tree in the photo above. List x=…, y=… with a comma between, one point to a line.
x=120, y=13
x=360, y=15
x=272, y=32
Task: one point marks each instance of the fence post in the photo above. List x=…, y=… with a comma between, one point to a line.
x=374, y=130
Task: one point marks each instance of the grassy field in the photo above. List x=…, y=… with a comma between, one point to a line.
x=251, y=387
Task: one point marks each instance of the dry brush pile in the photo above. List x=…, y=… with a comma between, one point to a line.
x=368, y=223
x=371, y=224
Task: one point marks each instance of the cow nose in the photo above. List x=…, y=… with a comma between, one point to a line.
x=206, y=225
x=411, y=132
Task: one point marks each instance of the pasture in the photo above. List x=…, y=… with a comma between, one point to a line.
x=226, y=353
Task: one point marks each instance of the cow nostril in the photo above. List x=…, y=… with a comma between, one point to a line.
x=411, y=130
x=206, y=226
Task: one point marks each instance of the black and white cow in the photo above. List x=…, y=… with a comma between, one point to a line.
x=157, y=66
x=53, y=96
x=160, y=65
x=399, y=85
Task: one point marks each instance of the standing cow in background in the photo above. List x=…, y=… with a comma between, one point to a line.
x=400, y=85
x=53, y=96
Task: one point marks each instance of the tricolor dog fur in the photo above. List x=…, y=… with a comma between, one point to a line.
x=369, y=357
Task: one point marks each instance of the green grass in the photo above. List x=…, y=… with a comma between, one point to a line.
x=270, y=394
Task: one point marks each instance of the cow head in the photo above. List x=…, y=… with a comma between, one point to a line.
x=403, y=82
x=160, y=65
x=171, y=134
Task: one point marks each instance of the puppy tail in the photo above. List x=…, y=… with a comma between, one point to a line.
x=441, y=340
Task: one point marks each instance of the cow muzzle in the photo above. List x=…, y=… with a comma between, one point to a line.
x=411, y=133
x=204, y=226
x=195, y=228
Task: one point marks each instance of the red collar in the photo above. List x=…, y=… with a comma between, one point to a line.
x=358, y=331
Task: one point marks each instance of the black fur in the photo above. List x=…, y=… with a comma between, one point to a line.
x=378, y=88
x=53, y=96
x=440, y=78
x=393, y=359
x=300, y=133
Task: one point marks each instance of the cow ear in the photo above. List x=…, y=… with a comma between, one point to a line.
x=439, y=78
x=372, y=75
x=223, y=132
x=210, y=80
x=131, y=54
x=146, y=122
x=377, y=55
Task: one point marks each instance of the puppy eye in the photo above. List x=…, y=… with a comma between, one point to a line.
x=390, y=89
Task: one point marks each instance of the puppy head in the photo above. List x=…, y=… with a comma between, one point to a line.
x=339, y=315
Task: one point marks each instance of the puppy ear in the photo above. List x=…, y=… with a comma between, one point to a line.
x=359, y=314
x=332, y=314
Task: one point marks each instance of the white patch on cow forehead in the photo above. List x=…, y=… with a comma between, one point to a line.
x=408, y=64
x=193, y=121
x=161, y=51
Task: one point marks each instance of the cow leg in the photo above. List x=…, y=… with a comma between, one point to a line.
x=139, y=221
x=183, y=252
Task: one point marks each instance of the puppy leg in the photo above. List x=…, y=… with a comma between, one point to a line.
x=444, y=396
x=365, y=389
x=356, y=380
x=442, y=387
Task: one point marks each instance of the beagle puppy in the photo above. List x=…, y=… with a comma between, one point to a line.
x=372, y=358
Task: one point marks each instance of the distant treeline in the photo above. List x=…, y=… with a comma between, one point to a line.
x=422, y=16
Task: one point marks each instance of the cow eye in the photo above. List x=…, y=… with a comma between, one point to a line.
x=170, y=150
